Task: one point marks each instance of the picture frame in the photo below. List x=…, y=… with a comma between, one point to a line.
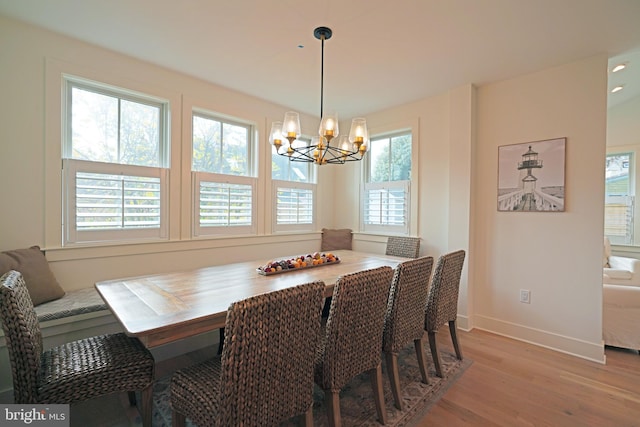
x=531, y=176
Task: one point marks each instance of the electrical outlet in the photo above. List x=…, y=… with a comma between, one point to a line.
x=525, y=296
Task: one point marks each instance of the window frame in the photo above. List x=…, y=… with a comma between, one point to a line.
x=409, y=227
x=634, y=181
x=310, y=184
x=199, y=230
x=70, y=235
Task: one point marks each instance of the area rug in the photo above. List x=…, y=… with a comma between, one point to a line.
x=356, y=399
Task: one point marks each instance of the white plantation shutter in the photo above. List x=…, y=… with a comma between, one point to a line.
x=618, y=219
x=386, y=206
x=294, y=205
x=225, y=204
x=112, y=202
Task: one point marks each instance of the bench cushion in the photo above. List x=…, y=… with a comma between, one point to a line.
x=81, y=301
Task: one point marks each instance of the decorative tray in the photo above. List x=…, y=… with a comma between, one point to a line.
x=298, y=263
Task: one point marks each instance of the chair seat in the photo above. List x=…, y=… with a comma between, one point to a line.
x=92, y=367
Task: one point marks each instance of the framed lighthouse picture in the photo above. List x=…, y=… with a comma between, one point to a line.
x=531, y=176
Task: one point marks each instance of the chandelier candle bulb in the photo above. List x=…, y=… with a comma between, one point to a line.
x=275, y=136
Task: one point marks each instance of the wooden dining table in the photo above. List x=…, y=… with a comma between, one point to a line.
x=162, y=308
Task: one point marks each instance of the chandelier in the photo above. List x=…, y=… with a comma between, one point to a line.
x=329, y=146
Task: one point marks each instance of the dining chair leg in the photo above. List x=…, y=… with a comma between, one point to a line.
x=177, y=419
x=422, y=361
x=332, y=400
x=454, y=337
x=308, y=417
x=434, y=353
x=376, y=383
x=146, y=405
x=221, y=342
x=394, y=380
x=132, y=398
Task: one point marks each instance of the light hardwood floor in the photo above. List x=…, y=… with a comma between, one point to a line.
x=510, y=383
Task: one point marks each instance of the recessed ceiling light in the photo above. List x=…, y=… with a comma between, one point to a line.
x=617, y=89
x=618, y=68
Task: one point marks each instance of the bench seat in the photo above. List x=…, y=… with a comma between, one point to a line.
x=73, y=303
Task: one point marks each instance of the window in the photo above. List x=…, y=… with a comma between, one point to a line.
x=294, y=192
x=619, y=203
x=114, y=158
x=223, y=181
x=386, y=194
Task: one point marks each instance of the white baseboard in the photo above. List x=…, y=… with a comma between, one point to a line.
x=572, y=346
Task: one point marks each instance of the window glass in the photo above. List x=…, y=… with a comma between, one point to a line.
x=220, y=147
x=284, y=169
x=390, y=158
x=107, y=128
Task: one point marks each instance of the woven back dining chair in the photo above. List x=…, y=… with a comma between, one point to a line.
x=74, y=371
x=442, y=303
x=265, y=373
x=407, y=247
x=353, y=336
x=404, y=321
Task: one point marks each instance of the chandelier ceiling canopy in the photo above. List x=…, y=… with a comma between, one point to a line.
x=329, y=146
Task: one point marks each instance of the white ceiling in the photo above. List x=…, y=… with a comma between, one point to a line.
x=383, y=52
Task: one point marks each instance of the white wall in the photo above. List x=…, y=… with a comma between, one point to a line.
x=556, y=256
x=623, y=124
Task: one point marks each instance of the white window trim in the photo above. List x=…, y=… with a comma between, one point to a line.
x=411, y=125
x=279, y=228
x=55, y=102
x=73, y=236
x=203, y=231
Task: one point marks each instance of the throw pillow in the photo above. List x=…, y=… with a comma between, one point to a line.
x=336, y=239
x=38, y=277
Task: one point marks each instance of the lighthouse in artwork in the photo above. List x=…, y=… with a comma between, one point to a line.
x=528, y=183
